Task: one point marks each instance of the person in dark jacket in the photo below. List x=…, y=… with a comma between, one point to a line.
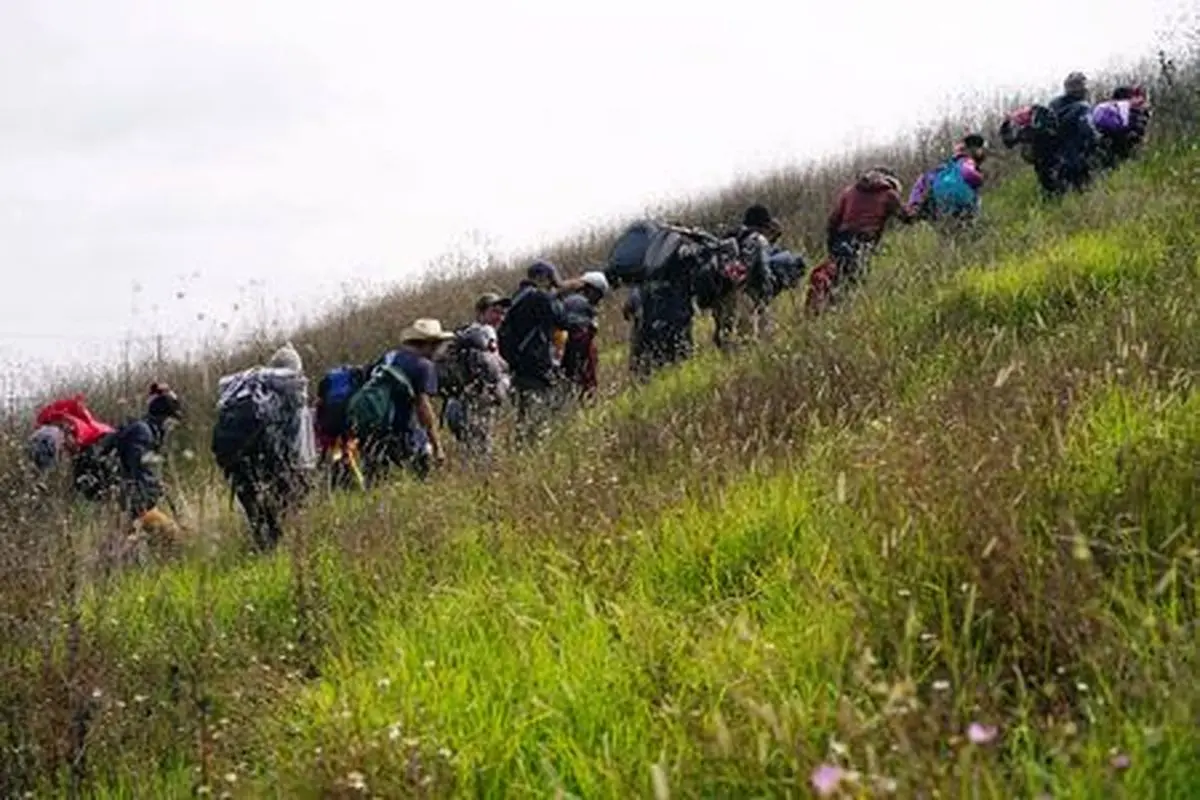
x=526, y=338
x=138, y=446
x=741, y=311
x=661, y=313
x=858, y=220
x=265, y=457
x=1065, y=162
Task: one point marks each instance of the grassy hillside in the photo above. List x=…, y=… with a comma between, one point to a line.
x=944, y=540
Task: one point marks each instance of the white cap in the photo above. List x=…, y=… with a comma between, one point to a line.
x=596, y=280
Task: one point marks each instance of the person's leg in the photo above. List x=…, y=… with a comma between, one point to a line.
x=635, y=346
x=523, y=400
x=1045, y=167
x=845, y=258
x=679, y=344
x=248, y=492
x=1074, y=169
x=279, y=489
x=547, y=401
x=764, y=320
x=746, y=319
x=484, y=421
x=724, y=313
x=535, y=403
x=376, y=457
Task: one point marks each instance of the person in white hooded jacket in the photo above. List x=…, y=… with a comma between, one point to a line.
x=264, y=441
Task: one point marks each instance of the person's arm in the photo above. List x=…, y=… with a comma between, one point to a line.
x=591, y=364
x=427, y=387
x=428, y=420
x=568, y=286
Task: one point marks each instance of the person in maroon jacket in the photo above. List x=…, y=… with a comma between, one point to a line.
x=859, y=218
x=581, y=357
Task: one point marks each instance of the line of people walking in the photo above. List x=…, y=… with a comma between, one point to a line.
x=536, y=349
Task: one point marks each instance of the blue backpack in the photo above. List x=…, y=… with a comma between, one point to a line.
x=950, y=191
x=334, y=391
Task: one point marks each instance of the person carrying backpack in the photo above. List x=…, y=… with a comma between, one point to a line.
x=857, y=222
x=337, y=449
x=1033, y=130
x=526, y=339
x=263, y=441
x=672, y=269
x=950, y=191
x=86, y=440
x=581, y=359
x=474, y=380
x=1121, y=123
x=1064, y=161
x=741, y=312
x=138, y=447
x=392, y=415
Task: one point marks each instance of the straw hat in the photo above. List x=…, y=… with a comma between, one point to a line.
x=425, y=330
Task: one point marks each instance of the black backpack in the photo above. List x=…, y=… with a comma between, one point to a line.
x=1043, y=124
x=647, y=250
x=459, y=364
x=251, y=416
x=521, y=332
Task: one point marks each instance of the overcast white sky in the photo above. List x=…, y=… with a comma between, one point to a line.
x=231, y=147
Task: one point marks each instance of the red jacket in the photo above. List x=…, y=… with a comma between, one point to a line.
x=85, y=429
x=865, y=207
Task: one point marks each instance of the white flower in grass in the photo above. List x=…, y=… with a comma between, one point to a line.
x=356, y=781
x=979, y=733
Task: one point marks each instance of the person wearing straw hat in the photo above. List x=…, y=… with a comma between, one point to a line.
x=415, y=423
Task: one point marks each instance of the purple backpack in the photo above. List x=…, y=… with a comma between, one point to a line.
x=1110, y=117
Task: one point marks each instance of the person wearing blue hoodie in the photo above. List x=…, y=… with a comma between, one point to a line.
x=138, y=445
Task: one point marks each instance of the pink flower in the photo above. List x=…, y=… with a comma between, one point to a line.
x=1121, y=761
x=978, y=733
x=826, y=779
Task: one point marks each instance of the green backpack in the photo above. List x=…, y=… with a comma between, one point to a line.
x=372, y=408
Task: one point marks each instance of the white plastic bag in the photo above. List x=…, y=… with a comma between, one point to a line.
x=306, y=447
